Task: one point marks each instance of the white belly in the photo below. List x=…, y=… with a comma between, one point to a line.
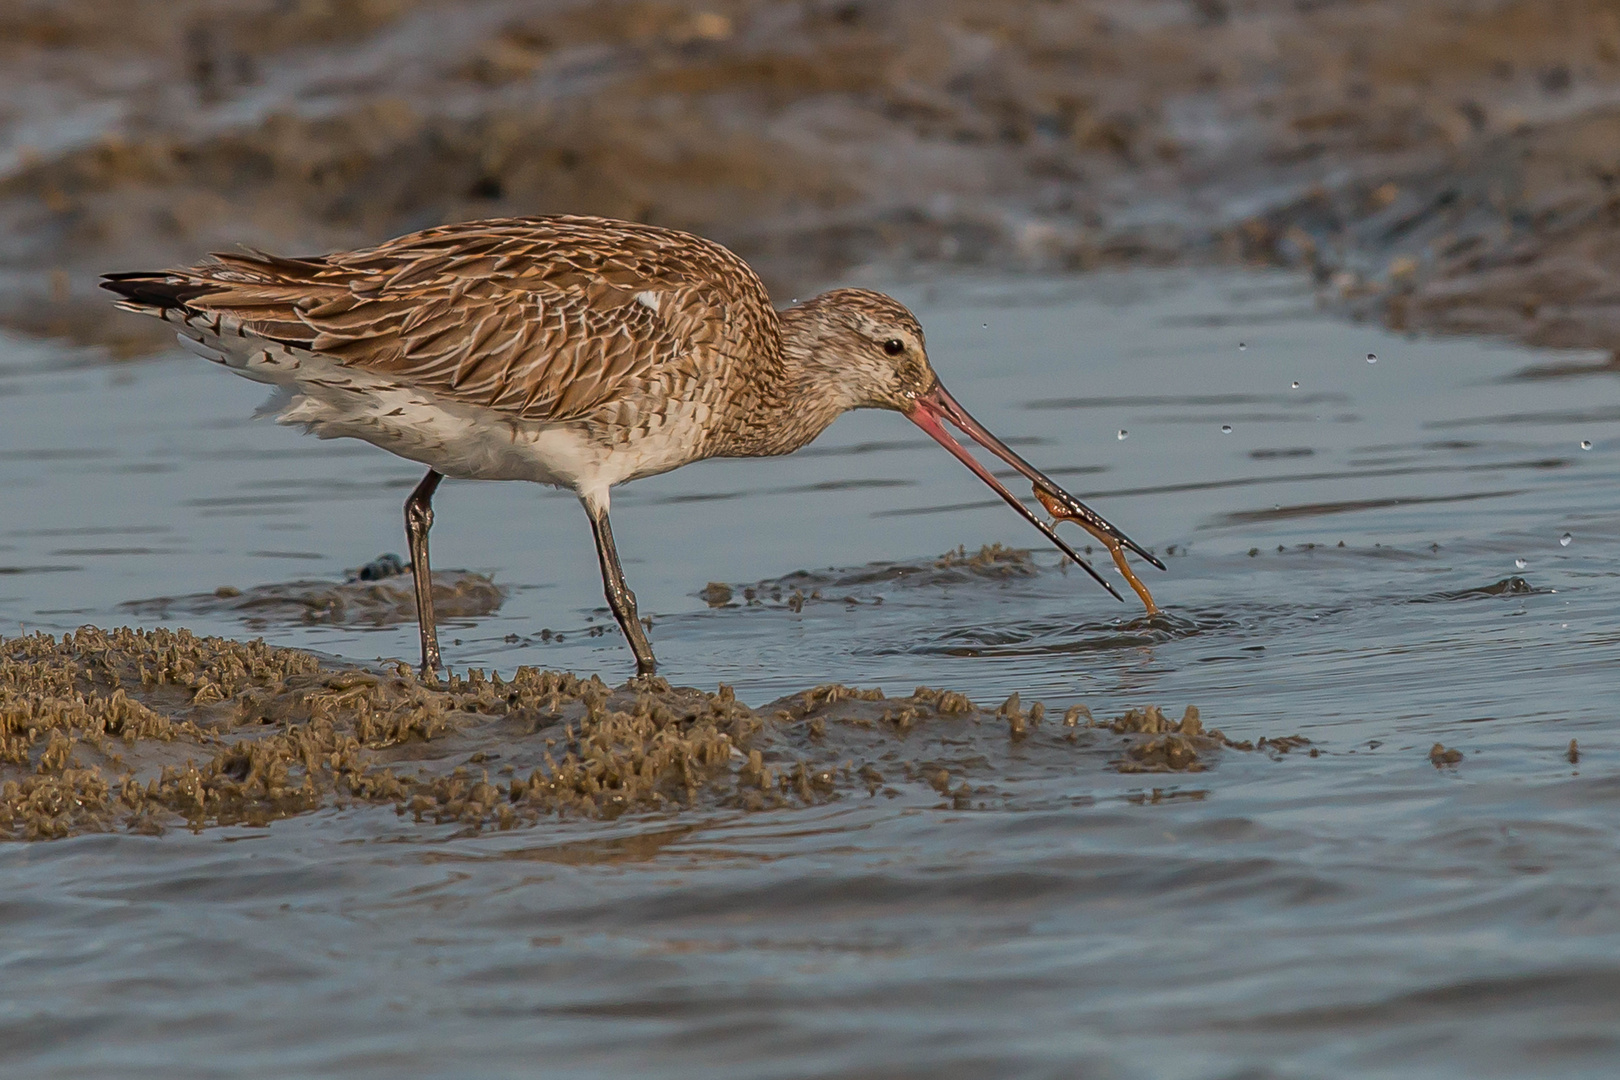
x=459, y=440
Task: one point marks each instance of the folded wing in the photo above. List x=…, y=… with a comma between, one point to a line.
x=544, y=318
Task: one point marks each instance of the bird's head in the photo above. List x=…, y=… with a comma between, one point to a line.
x=862, y=348
x=858, y=349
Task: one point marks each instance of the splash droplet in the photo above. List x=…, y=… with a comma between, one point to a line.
x=1123, y=435
x=1296, y=384
x=1586, y=444
x=1564, y=541
x=986, y=326
x=1226, y=429
x=1520, y=563
x=1243, y=346
x=1372, y=358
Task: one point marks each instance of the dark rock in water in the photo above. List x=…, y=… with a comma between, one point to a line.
x=383, y=566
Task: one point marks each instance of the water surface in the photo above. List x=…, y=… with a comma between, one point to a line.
x=1372, y=559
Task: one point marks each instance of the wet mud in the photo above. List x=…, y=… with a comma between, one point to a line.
x=457, y=594
x=1442, y=756
x=1436, y=164
x=145, y=730
x=865, y=584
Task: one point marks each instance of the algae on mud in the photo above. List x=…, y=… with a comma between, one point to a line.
x=147, y=729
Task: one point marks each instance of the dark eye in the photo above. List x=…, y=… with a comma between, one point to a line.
x=894, y=346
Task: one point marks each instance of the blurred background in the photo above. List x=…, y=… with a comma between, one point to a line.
x=1440, y=164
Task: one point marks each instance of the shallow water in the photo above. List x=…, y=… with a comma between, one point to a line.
x=1363, y=911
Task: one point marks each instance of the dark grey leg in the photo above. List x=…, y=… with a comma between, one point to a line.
x=418, y=520
x=619, y=596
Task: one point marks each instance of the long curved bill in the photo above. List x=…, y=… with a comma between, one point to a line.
x=935, y=407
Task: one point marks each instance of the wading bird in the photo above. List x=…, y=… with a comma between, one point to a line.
x=574, y=351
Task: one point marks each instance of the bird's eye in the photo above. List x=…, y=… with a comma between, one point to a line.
x=894, y=346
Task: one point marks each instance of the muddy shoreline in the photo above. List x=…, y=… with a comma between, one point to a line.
x=1441, y=166
x=146, y=730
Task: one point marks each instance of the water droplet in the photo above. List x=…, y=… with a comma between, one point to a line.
x=1564, y=541
x=987, y=326
x=1296, y=384
x=1226, y=429
x=1520, y=563
x=1371, y=358
x=1243, y=346
x=1586, y=444
x=1123, y=434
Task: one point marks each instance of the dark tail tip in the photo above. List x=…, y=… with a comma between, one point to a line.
x=155, y=289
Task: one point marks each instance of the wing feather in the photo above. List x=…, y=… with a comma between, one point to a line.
x=541, y=317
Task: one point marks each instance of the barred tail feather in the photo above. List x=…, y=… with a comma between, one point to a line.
x=144, y=290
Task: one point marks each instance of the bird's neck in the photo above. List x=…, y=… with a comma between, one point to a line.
x=798, y=396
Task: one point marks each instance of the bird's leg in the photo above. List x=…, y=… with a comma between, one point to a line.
x=619, y=596
x=418, y=520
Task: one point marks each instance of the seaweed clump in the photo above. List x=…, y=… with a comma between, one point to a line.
x=143, y=729
x=151, y=729
x=991, y=560
x=1155, y=743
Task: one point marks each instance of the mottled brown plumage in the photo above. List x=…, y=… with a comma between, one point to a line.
x=576, y=351
x=559, y=319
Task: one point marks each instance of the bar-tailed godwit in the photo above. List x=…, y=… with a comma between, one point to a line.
x=574, y=351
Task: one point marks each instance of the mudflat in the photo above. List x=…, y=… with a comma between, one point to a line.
x=1435, y=164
